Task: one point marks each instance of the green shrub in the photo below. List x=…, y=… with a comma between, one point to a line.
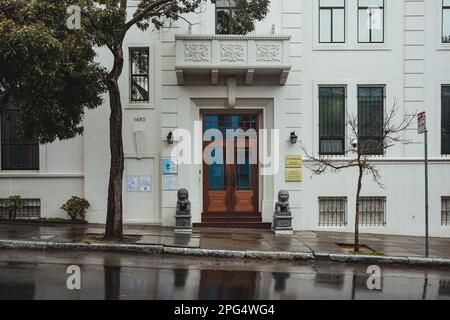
x=76, y=208
x=12, y=204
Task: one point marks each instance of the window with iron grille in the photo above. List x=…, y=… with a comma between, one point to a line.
x=16, y=153
x=445, y=21
x=444, y=287
x=31, y=209
x=370, y=21
x=445, y=211
x=332, y=212
x=140, y=74
x=225, y=11
x=445, y=120
x=331, y=21
x=372, y=211
x=371, y=119
x=332, y=120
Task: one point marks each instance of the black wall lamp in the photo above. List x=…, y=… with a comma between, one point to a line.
x=170, y=138
x=293, y=138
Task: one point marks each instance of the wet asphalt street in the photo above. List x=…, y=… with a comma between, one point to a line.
x=42, y=275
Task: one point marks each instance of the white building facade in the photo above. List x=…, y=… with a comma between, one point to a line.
x=307, y=65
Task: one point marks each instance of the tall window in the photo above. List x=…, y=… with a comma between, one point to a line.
x=139, y=66
x=371, y=119
x=225, y=10
x=17, y=153
x=445, y=21
x=371, y=21
x=445, y=119
x=332, y=120
x=331, y=21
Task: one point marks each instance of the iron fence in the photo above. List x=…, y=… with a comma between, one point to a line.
x=30, y=210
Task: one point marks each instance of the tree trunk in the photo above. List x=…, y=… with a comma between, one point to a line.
x=114, y=228
x=358, y=193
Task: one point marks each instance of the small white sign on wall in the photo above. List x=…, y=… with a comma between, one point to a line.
x=132, y=184
x=139, y=184
x=170, y=182
x=146, y=184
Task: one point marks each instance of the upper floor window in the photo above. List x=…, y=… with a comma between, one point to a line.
x=331, y=21
x=225, y=11
x=139, y=74
x=16, y=153
x=445, y=21
x=371, y=21
x=445, y=119
x=371, y=119
x=332, y=120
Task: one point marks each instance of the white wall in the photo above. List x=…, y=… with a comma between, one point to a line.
x=412, y=64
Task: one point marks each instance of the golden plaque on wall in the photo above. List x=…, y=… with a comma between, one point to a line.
x=293, y=162
x=294, y=175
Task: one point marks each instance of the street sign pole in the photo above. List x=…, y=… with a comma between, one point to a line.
x=422, y=128
x=427, y=244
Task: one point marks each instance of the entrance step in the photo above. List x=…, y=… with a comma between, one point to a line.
x=233, y=220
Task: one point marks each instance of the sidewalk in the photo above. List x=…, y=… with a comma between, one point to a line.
x=307, y=242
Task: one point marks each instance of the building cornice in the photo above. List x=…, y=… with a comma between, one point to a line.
x=37, y=175
x=227, y=37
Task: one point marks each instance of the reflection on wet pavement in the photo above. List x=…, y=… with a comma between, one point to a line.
x=37, y=275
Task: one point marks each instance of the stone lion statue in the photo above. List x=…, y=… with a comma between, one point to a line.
x=183, y=203
x=282, y=206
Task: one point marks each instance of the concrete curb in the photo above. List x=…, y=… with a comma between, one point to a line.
x=236, y=254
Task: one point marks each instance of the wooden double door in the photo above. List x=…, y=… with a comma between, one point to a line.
x=230, y=167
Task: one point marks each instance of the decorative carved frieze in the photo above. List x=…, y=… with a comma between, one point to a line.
x=196, y=52
x=252, y=60
x=268, y=52
x=232, y=52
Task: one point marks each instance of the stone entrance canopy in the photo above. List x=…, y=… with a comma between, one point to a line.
x=251, y=60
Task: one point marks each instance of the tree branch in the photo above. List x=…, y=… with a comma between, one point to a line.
x=148, y=11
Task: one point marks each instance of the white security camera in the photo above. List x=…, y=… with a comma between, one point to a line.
x=354, y=142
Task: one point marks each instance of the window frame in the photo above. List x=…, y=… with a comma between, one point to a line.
x=132, y=75
x=331, y=23
x=445, y=152
x=364, y=222
x=34, y=163
x=383, y=87
x=370, y=30
x=343, y=123
x=445, y=222
x=231, y=12
x=344, y=219
x=443, y=8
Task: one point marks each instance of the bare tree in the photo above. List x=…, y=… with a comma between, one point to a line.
x=376, y=136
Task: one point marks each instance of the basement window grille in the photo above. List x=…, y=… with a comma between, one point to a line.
x=372, y=212
x=30, y=210
x=444, y=288
x=332, y=212
x=445, y=213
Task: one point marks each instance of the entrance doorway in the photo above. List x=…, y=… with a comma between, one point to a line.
x=230, y=169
